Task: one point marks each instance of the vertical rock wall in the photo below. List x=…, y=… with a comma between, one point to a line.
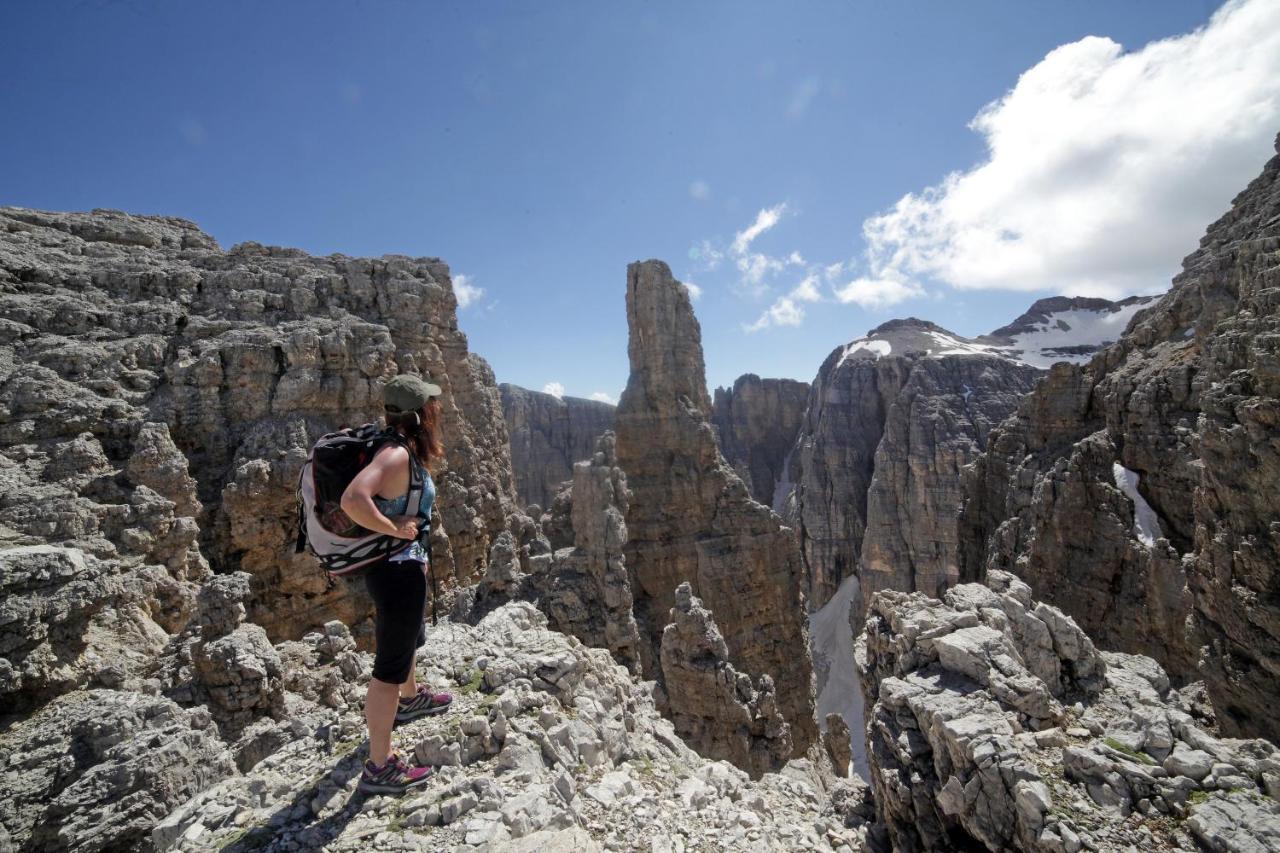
x=892, y=419
x=548, y=435
x=691, y=518
x=1137, y=492
x=757, y=421
x=137, y=338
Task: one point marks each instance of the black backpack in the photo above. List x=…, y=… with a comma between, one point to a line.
x=342, y=546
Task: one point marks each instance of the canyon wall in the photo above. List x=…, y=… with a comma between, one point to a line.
x=756, y=421
x=548, y=434
x=1137, y=492
x=691, y=518
x=160, y=395
x=892, y=418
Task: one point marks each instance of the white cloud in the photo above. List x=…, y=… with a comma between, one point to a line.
x=555, y=389
x=802, y=96
x=695, y=292
x=765, y=219
x=707, y=255
x=807, y=289
x=700, y=190
x=783, y=312
x=603, y=397
x=755, y=268
x=1103, y=168
x=878, y=292
x=787, y=310
x=466, y=292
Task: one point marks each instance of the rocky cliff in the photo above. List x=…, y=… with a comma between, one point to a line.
x=1065, y=328
x=691, y=518
x=891, y=420
x=159, y=395
x=757, y=421
x=550, y=746
x=587, y=592
x=1135, y=492
x=994, y=723
x=548, y=434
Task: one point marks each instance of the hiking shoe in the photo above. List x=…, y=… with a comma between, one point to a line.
x=394, y=777
x=421, y=705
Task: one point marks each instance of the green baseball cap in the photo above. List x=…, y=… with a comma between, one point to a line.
x=408, y=393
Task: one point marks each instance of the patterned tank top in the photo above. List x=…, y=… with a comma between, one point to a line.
x=392, y=507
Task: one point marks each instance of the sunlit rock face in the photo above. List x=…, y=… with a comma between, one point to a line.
x=691, y=518
x=995, y=723
x=548, y=435
x=891, y=420
x=161, y=395
x=756, y=421
x=1136, y=492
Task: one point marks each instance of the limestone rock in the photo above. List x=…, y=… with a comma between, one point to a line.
x=159, y=390
x=835, y=739
x=550, y=745
x=892, y=419
x=756, y=421
x=95, y=770
x=716, y=709
x=587, y=592
x=548, y=435
x=69, y=619
x=691, y=518
x=224, y=663
x=994, y=721
x=1134, y=492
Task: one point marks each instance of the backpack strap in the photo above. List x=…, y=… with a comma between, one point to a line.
x=416, y=480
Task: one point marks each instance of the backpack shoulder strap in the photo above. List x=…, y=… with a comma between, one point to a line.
x=417, y=482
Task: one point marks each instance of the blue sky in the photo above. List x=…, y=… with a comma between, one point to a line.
x=540, y=147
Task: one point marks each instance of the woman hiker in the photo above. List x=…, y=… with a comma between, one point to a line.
x=377, y=499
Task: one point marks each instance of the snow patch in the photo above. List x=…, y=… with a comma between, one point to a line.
x=831, y=636
x=956, y=346
x=877, y=348
x=1074, y=328
x=1146, y=524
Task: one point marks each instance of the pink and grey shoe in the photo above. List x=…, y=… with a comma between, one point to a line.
x=394, y=777
x=422, y=705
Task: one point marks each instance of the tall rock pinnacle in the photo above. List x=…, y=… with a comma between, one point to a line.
x=691, y=517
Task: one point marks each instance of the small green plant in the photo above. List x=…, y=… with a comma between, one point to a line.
x=474, y=679
x=248, y=838
x=1140, y=757
x=1198, y=797
x=344, y=748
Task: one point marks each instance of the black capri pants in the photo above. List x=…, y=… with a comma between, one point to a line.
x=399, y=593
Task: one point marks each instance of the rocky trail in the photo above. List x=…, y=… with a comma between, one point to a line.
x=1055, y=591
x=549, y=745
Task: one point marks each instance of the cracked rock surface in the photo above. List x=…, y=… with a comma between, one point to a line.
x=548, y=435
x=549, y=745
x=159, y=395
x=1136, y=492
x=994, y=721
x=691, y=518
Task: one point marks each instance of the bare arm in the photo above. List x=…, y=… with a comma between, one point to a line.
x=357, y=500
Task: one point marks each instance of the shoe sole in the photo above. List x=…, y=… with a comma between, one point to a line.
x=373, y=788
x=429, y=712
